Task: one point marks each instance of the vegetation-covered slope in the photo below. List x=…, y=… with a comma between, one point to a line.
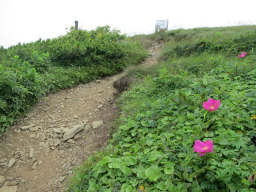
x=30, y=71
x=153, y=148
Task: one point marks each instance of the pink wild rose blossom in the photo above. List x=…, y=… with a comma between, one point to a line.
x=251, y=178
x=243, y=54
x=203, y=147
x=211, y=105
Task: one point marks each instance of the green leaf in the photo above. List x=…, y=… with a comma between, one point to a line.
x=153, y=173
x=140, y=172
x=129, y=161
x=169, y=169
x=127, y=188
x=92, y=186
x=155, y=155
x=126, y=171
x=162, y=186
x=115, y=163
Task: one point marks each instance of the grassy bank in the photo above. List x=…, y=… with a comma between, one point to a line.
x=30, y=71
x=152, y=149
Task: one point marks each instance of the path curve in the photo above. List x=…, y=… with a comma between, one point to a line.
x=33, y=154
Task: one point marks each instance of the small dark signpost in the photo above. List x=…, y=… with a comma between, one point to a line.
x=76, y=25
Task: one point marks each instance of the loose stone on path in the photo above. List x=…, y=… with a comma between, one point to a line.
x=11, y=162
x=70, y=133
x=97, y=124
x=2, y=180
x=31, y=153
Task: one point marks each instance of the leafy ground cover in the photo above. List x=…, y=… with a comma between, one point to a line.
x=30, y=71
x=170, y=136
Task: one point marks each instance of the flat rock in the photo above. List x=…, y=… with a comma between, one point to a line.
x=31, y=153
x=43, y=144
x=77, y=137
x=13, y=182
x=100, y=106
x=71, y=141
x=9, y=189
x=97, y=124
x=34, y=165
x=27, y=127
x=57, y=130
x=70, y=133
x=33, y=135
x=11, y=162
x=34, y=129
x=2, y=180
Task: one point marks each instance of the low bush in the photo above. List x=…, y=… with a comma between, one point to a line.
x=84, y=48
x=31, y=53
x=186, y=43
x=20, y=87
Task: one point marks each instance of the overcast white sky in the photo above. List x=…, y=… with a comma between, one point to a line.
x=29, y=20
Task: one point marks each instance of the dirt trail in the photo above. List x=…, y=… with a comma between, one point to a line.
x=33, y=154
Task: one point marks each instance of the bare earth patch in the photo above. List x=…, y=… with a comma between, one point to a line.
x=58, y=134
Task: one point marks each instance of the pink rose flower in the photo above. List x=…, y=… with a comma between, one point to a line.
x=211, y=105
x=243, y=54
x=251, y=178
x=203, y=147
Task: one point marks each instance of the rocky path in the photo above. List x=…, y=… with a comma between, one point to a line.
x=58, y=134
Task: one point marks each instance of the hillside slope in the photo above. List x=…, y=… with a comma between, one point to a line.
x=190, y=125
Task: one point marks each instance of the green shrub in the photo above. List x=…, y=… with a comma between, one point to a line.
x=19, y=88
x=29, y=53
x=84, y=48
x=184, y=43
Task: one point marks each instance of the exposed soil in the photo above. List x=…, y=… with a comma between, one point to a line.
x=33, y=154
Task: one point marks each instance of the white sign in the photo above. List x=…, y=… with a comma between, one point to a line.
x=161, y=25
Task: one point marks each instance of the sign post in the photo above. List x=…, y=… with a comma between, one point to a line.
x=76, y=25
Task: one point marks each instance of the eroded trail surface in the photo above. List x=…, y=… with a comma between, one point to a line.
x=58, y=134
